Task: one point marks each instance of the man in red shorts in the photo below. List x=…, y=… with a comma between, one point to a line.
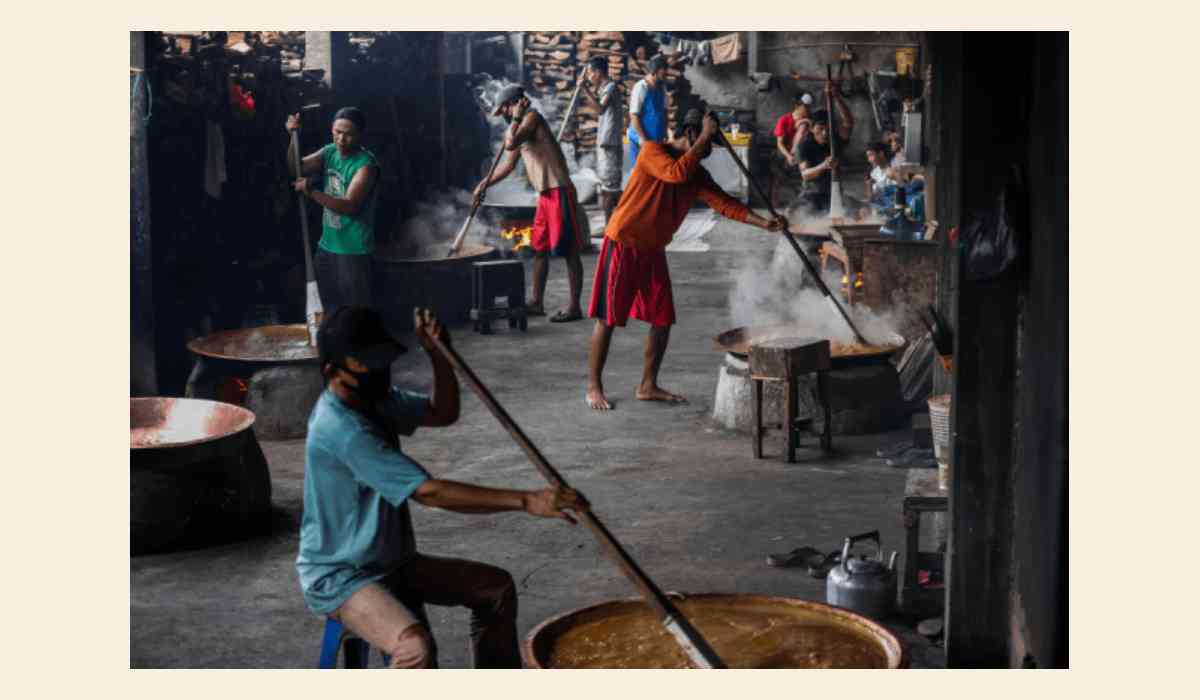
x=631, y=275
x=556, y=227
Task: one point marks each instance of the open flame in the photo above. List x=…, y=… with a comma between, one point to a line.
x=519, y=236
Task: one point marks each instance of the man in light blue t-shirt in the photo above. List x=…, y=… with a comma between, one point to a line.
x=358, y=561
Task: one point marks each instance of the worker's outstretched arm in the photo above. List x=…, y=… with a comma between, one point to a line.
x=467, y=498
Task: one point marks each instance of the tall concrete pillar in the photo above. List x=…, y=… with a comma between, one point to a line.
x=329, y=51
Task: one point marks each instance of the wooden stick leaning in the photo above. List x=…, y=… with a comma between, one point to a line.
x=835, y=180
x=562, y=128
x=812, y=271
x=462, y=233
x=697, y=649
x=312, y=295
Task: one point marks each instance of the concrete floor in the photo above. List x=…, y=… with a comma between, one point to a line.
x=686, y=499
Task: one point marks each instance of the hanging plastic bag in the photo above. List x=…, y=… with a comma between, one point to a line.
x=992, y=239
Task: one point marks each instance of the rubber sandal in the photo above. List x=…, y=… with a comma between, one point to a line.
x=564, y=317
x=531, y=311
x=801, y=556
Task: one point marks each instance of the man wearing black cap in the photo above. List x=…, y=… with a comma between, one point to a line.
x=556, y=228
x=632, y=279
x=350, y=173
x=358, y=561
x=648, y=108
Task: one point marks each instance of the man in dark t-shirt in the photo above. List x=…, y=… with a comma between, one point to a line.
x=816, y=165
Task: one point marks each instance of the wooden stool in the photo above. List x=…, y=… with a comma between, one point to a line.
x=921, y=495
x=498, y=278
x=784, y=360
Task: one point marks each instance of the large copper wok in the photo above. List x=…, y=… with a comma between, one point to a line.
x=737, y=341
x=747, y=631
x=271, y=344
x=196, y=474
x=167, y=433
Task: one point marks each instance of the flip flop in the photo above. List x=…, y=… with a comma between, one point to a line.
x=564, y=317
x=801, y=556
x=531, y=311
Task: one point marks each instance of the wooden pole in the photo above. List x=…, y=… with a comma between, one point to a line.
x=812, y=271
x=694, y=645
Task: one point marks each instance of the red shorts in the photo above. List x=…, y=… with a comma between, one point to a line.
x=556, y=227
x=632, y=282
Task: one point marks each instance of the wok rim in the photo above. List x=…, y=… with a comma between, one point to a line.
x=246, y=422
x=196, y=346
x=883, y=635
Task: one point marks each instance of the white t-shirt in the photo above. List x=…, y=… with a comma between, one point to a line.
x=880, y=179
x=637, y=97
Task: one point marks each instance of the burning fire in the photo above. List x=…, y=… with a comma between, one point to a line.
x=520, y=236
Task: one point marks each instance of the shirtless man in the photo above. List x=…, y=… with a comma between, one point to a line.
x=631, y=276
x=556, y=228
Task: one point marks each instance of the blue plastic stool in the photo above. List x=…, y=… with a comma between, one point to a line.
x=357, y=650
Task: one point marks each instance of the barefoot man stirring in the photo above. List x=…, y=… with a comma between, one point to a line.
x=631, y=276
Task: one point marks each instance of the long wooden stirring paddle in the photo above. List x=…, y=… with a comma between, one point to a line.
x=693, y=644
x=812, y=271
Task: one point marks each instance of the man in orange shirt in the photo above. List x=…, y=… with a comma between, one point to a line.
x=631, y=276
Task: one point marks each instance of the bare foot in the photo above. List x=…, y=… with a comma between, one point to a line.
x=656, y=393
x=596, y=399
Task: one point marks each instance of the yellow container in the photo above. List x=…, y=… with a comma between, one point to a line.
x=906, y=60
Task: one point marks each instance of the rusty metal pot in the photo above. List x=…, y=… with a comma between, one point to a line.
x=737, y=341
x=427, y=279
x=197, y=475
x=539, y=647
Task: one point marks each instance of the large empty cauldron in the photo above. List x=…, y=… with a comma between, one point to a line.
x=429, y=279
x=747, y=631
x=196, y=474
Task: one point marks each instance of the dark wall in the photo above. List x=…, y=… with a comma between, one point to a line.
x=1000, y=101
x=1040, y=479
x=143, y=375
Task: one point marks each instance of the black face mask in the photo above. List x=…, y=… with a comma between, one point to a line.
x=372, y=385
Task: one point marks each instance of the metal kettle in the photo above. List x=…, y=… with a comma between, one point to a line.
x=863, y=585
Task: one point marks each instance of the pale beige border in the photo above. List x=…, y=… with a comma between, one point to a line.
x=67, y=534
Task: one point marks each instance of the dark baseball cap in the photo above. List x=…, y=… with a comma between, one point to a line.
x=507, y=94
x=357, y=332
x=694, y=119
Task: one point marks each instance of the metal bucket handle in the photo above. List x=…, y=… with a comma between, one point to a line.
x=850, y=541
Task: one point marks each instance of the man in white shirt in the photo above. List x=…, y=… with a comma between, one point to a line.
x=648, y=107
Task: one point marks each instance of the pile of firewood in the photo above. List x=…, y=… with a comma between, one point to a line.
x=555, y=60
x=610, y=46
x=551, y=67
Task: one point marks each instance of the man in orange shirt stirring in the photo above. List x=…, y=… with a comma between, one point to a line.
x=631, y=275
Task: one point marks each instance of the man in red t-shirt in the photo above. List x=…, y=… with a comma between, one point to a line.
x=790, y=132
x=791, y=129
x=631, y=275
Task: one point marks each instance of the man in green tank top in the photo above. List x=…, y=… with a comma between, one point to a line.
x=349, y=174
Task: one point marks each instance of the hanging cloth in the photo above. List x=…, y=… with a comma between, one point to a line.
x=727, y=49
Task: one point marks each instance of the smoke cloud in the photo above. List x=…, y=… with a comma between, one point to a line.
x=773, y=289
